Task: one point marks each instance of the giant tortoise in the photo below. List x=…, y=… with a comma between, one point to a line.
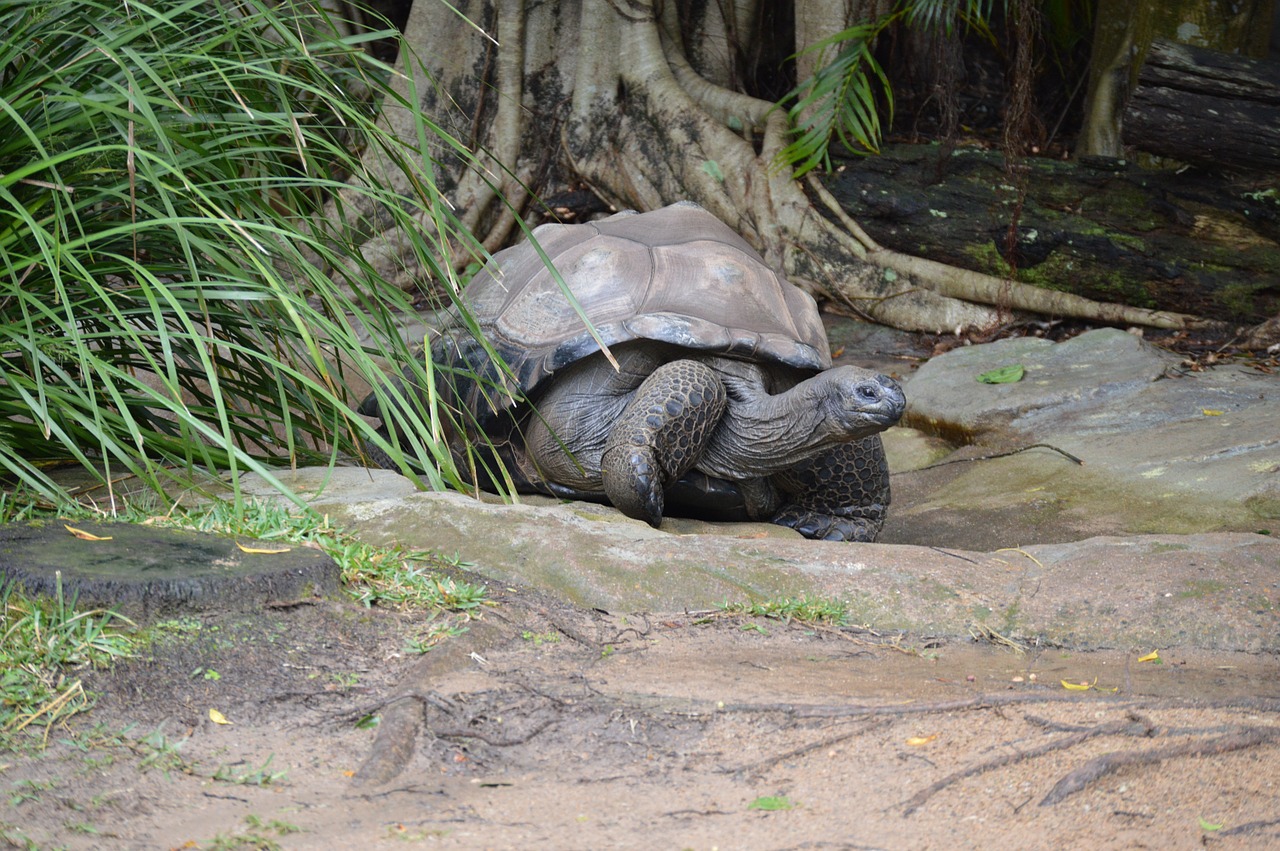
x=724, y=402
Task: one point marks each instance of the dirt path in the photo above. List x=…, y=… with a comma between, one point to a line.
x=549, y=727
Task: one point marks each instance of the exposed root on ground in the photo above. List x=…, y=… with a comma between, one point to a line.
x=1098, y=767
x=1134, y=724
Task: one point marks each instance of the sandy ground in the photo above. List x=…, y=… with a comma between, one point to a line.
x=549, y=727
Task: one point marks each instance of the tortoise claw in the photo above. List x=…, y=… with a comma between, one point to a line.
x=856, y=524
x=639, y=494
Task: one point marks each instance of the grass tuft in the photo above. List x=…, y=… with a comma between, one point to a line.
x=802, y=609
x=42, y=643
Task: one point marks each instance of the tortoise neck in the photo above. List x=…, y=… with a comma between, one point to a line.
x=763, y=433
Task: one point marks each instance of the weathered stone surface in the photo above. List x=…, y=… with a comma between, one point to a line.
x=147, y=571
x=1164, y=450
x=1219, y=591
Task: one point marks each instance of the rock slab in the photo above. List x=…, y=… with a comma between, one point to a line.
x=1163, y=449
x=1216, y=591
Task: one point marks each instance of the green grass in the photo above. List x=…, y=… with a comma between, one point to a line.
x=803, y=609
x=43, y=642
x=184, y=192
x=378, y=575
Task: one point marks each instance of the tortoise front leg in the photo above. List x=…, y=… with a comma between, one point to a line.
x=660, y=436
x=841, y=495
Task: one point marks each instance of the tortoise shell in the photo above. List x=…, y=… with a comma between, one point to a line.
x=677, y=275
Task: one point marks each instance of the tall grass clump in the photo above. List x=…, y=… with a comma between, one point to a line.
x=180, y=282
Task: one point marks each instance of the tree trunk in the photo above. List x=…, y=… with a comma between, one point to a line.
x=606, y=91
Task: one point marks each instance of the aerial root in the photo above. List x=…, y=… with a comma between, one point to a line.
x=993, y=455
x=829, y=741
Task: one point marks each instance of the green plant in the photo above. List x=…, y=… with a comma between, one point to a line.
x=159, y=751
x=260, y=776
x=174, y=296
x=13, y=837
x=772, y=803
x=41, y=640
x=840, y=99
x=541, y=638
x=848, y=90
x=433, y=635
x=803, y=609
x=29, y=790
x=259, y=835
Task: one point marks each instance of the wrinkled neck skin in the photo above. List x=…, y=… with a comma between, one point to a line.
x=762, y=434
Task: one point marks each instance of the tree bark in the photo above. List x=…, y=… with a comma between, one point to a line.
x=1123, y=33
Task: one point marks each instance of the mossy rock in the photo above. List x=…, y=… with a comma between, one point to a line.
x=145, y=571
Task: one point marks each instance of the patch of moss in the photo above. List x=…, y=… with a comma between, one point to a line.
x=1009, y=622
x=937, y=592
x=1126, y=202
x=1169, y=548
x=986, y=259
x=1198, y=589
x=1260, y=603
x=1067, y=271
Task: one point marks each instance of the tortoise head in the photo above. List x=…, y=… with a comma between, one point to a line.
x=858, y=403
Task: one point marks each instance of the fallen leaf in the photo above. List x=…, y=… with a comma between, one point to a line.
x=1209, y=826
x=1153, y=656
x=771, y=803
x=270, y=551
x=217, y=717
x=1078, y=686
x=917, y=741
x=83, y=535
x=1003, y=375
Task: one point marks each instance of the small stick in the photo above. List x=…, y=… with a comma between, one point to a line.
x=1062, y=452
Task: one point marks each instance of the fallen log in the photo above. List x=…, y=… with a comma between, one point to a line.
x=1186, y=242
x=1207, y=108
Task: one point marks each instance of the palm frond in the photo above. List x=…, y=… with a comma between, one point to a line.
x=846, y=95
x=839, y=100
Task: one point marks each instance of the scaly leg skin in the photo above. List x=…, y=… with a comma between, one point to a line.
x=660, y=436
x=841, y=495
